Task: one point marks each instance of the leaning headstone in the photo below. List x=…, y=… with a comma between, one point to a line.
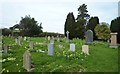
x=72, y=47
x=113, y=43
x=31, y=45
x=85, y=49
x=89, y=37
x=27, y=61
x=50, y=49
x=67, y=36
x=5, y=49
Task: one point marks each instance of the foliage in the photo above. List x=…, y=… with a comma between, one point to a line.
x=6, y=32
x=115, y=27
x=102, y=32
x=80, y=29
x=70, y=25
x=82, y=12
x=92, y=24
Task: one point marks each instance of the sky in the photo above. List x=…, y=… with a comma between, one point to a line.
x=53, y=13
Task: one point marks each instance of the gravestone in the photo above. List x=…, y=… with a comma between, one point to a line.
x=27, y=60
x=85, y=49
x=31, y=45
x=113, y=43
x=89, y=37
x=25, y=38
x=72, y=47
x=50, y=49
x=19, y=40
x=5, y=49
x=67, y=36
x=16, y=40
x=58, y=38
x=48, y=38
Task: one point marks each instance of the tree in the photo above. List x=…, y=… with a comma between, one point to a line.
x=82, y=12
x=29, y=26
x=115, y=27
x=102, y=32
x=70, y=25
x=92, y=24
x=80, y=29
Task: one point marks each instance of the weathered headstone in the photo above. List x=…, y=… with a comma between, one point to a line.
x=16, y=40
x=85, y=49
x=50, y=49
x=19, y=40
x=5, y=49
x=113, y=43
x=67, y=36
x=89, y=37
x=72, y=47
x=58, y=38
x=27, y=61
x=31, y=45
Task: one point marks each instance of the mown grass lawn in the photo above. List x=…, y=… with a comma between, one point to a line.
x=101, y=58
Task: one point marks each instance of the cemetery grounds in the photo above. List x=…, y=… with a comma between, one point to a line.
x=101, y=58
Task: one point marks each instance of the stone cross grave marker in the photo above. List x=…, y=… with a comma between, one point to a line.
x=113, y=43
x=89, y=37
x=85, y=49
x=31, y=45
x=50, y=49
x=5, y=49
x=72, y=47
x=67, y=36
x=27, y=60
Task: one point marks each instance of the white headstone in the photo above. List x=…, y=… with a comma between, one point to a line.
x=85, y=49
x=48, y=37
x=50, y=49
x=25, y=38
x=72, y=47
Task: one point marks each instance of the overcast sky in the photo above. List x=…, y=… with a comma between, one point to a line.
x=53, y=13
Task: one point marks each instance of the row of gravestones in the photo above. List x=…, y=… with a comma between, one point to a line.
x=27, y=56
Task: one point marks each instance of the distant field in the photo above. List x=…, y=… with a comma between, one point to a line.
x=101, y=58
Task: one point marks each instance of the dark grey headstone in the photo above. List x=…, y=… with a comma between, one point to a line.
x=89, y=37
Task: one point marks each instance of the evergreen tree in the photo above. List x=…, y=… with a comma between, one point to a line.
x=70, y=25
x=115, y=27
x=92, y=24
